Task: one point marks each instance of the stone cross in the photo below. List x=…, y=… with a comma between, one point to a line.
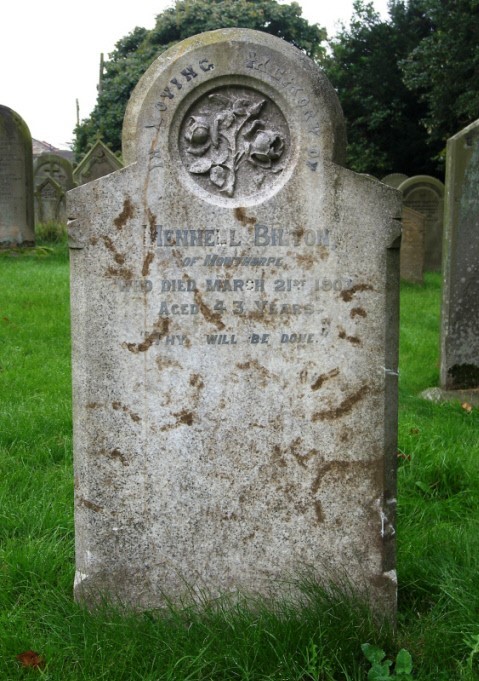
x=235, y=332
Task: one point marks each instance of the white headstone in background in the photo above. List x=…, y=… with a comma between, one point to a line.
x=235, y=331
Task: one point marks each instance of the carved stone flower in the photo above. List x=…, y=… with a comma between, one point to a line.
x=266, y=147
x=198, y=134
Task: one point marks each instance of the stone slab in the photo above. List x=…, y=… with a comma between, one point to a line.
x=412, y=246
x=460, y=301
x=425, y=194
x=16, y=181
x=235, y=333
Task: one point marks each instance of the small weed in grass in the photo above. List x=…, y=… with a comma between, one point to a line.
x=381, y=667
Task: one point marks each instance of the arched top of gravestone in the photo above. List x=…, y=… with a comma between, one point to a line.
x=12, y=126
x=394, y=179
x=422, y=182
x=57, y=167
x=260, y=91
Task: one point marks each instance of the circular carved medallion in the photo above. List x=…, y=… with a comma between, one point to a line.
x=234, y=142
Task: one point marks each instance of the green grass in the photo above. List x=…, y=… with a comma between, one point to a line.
x=438, y=537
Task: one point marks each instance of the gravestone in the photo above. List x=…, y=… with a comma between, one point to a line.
x=460, y=303
x=235, y=331
x=412, y=246
x=16, y=181
x=425, y=194
x=98, y=162
x=394, y=179
x=52, y=178
x=49, y=202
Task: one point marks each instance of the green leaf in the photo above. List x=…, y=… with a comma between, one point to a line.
x=403, y=662
x=372, y=653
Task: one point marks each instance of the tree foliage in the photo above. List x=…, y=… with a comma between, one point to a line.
x=443, y=69
x=383, y=117
x=135, y=52
x=406, y=84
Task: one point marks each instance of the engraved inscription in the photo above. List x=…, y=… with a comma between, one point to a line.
x=234, y=142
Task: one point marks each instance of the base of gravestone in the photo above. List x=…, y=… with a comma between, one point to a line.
x=439, y=395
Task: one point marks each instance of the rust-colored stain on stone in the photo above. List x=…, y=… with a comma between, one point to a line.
x=196, y=381
x=358, y=312
x=118, y=257
x=118, y=406
x=146, y=264
x=348, y=294
x=351, y=339
x=93, y=405
x=160, y=330
x=307, y=261
x=342, y=409
x=278, y=457
x=208, y=314
x=322, y=378
x=296, y=450
x=153, y=227
x=90, y=505
x=298, y=233
x=318, y=509
x=116, y=454
x=240, y=215
x=341, y=468
x=122, y=272
x=125, y=215
x=94, y=240
x=183, y=418
x=167, y=363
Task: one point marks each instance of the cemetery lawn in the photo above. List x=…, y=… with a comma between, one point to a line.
x=438, y=531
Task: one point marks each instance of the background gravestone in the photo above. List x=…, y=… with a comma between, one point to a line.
x=52, y=178
x=49, y=202
x=460, y=304
x=412, y=246
x=234, y=328
x=425, y=194
x=98, y=162
x=16, y=180
x=394, y=179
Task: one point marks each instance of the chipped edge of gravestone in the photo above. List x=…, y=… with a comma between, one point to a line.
x=331, y=117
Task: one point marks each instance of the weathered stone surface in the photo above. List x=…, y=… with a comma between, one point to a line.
x=425, y=194
x=234, y=319
x=16, y=180
x=394, y=179
x=412, y=246
x=439, y=395
x=98, y=162
x=52, y=177
x=460, y=303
